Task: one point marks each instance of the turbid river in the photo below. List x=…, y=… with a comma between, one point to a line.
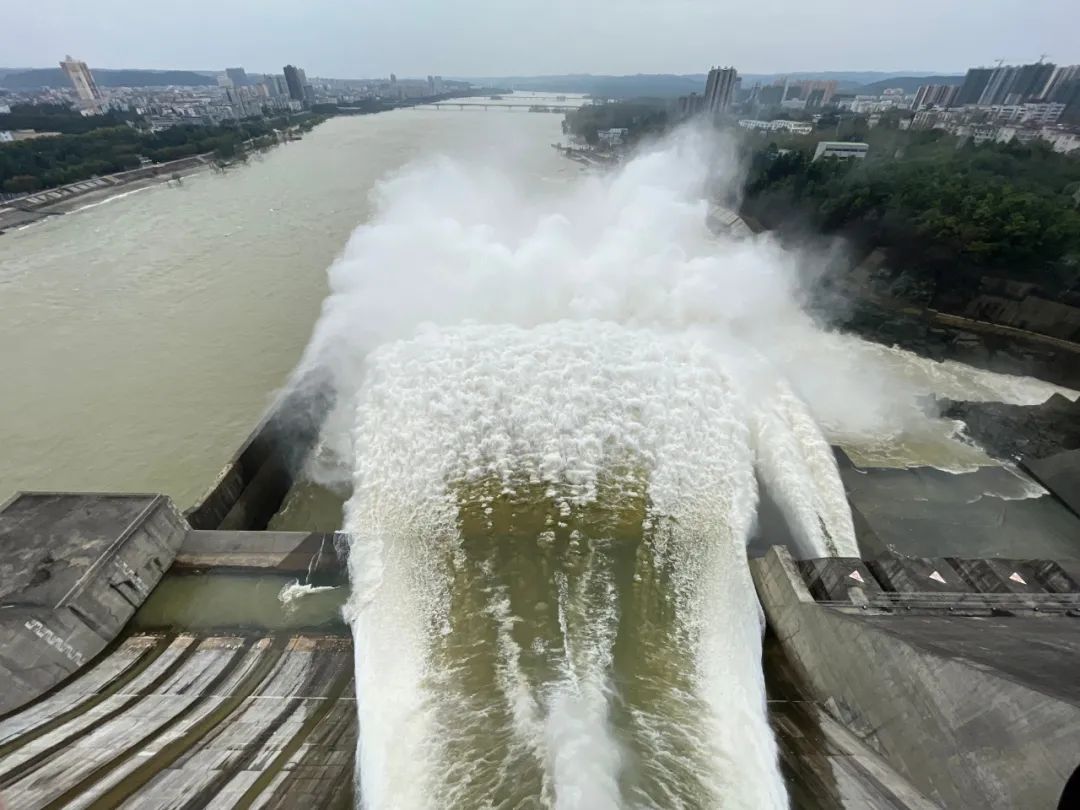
x=141, y=339
x=557, y=397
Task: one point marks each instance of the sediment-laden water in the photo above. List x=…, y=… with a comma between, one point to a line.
x=141, y=340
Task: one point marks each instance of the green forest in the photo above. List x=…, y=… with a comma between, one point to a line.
x=114, y=146
x=59, y=118
x=940, y=207
x=643, y=118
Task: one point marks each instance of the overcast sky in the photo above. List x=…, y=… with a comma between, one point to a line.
x=366, y=38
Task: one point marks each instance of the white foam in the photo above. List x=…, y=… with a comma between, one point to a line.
x=594, y=342
x=293, y=592
x=567, y=406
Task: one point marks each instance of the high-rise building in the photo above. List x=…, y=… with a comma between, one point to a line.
x=974, y=84
x=689, y=105
x=1029, y=83
x=1015, y=84
x=935, y=95
x=720, y=89
x=771, y=96
x=1058, y=80
x=815, y=99
x=83, y=80
x=238, y=76
x=295, y=81
x=804, y=88
x=1001, y=79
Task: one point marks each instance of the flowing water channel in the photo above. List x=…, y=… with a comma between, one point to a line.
x=559, y=398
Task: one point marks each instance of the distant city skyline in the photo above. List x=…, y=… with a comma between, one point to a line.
x=488, y=38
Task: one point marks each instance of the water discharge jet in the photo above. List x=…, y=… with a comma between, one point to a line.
x=570, y=352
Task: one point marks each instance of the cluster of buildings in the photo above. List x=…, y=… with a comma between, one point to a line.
x=236, y=94
x=724, y=93
x=792, y=95
x=1040, y=101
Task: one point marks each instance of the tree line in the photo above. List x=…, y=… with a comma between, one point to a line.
x=641, y=118
x=51, y=161
x=945, y=210
x=60, y=118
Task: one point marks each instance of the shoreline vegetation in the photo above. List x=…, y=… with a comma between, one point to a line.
x=97, y=146
x=187, y=153
x=83, y=160
x=927, y=220
x=73, y=147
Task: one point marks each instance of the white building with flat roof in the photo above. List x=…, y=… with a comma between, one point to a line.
x=796, y=127
x=841, y=149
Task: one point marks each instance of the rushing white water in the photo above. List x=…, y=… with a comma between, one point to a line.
x=556, y=403
x=590, y=416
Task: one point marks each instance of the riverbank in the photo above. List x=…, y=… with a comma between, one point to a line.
x=75, y=196
x=72, y=197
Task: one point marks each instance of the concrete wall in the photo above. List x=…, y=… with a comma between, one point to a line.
x=962, y=730
x=1031, y=313
x=317, y=559
x=251, y=487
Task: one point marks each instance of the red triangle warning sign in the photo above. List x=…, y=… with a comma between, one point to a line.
x=1015, y=577
x=937, y=577
x=855, y=575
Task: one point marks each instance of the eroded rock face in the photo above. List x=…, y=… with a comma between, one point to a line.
x=1020, y=431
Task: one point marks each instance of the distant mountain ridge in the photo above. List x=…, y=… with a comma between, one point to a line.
x=38, y=78
x=654, y=85
x=909, y=83
x=659, y=85
x=664, y=85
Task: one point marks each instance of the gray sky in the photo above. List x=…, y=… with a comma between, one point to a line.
x=364, y=38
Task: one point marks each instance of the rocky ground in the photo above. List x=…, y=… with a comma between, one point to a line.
x=1019, y=431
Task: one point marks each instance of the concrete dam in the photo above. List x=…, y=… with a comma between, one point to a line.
x=893, y=681
x=596, y=517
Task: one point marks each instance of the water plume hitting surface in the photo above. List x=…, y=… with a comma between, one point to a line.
x=555, y=405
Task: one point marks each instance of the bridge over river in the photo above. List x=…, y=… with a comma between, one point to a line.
x=500, y=105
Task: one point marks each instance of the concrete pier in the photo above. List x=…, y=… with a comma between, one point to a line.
x=73, y=570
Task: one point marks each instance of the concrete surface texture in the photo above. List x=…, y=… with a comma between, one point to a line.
x=244, y=719
x=320, y=559
x=971, y=696
x=169, y=720
x=73, y=570
x=1059, y=473
x=925, y=512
